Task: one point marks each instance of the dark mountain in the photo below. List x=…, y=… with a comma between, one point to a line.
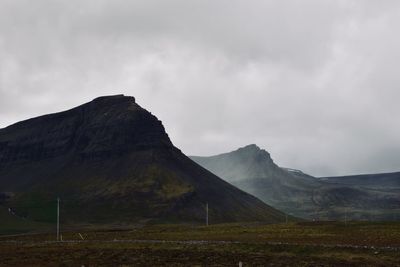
x=111, y=161
x=376, y=181
x=252, y=169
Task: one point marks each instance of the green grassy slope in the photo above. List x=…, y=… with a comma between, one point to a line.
x=10, y=224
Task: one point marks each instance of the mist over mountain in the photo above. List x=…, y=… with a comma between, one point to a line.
x=375, y=197
x=111, y=161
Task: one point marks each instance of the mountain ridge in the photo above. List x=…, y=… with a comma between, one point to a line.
x=371, y=180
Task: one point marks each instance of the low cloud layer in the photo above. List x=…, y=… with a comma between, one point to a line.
x=315, y=83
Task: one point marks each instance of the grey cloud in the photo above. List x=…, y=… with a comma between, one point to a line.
x=314, y=82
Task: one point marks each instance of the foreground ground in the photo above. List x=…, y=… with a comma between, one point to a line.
x=293, y=244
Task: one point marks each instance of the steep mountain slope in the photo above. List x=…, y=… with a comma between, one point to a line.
x=252, y=169
x=111, y=161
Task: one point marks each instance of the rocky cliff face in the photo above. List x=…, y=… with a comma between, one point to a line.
x=105, y=127
x=111, y=160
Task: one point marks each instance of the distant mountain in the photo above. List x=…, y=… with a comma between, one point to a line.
x=111, y=161
x=376, y=181
x=252, y=169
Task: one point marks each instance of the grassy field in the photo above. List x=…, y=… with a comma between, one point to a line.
x=293, y=244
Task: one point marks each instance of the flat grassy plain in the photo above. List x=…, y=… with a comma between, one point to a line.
x=292, y=244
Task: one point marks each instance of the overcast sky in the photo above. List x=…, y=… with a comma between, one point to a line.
x=316, y=83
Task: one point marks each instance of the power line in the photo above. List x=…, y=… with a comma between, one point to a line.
x=207, y=214
x=58, y=219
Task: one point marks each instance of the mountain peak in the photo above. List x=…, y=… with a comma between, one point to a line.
x=248, y=161
x=114, y=102
x=113, y=99
x=254, y=151
x=251, y=147
x=104, y=127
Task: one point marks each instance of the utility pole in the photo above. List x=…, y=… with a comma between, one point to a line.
x=58, y=219
x=286, y=218
x=207, y=214
x=345, y=216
